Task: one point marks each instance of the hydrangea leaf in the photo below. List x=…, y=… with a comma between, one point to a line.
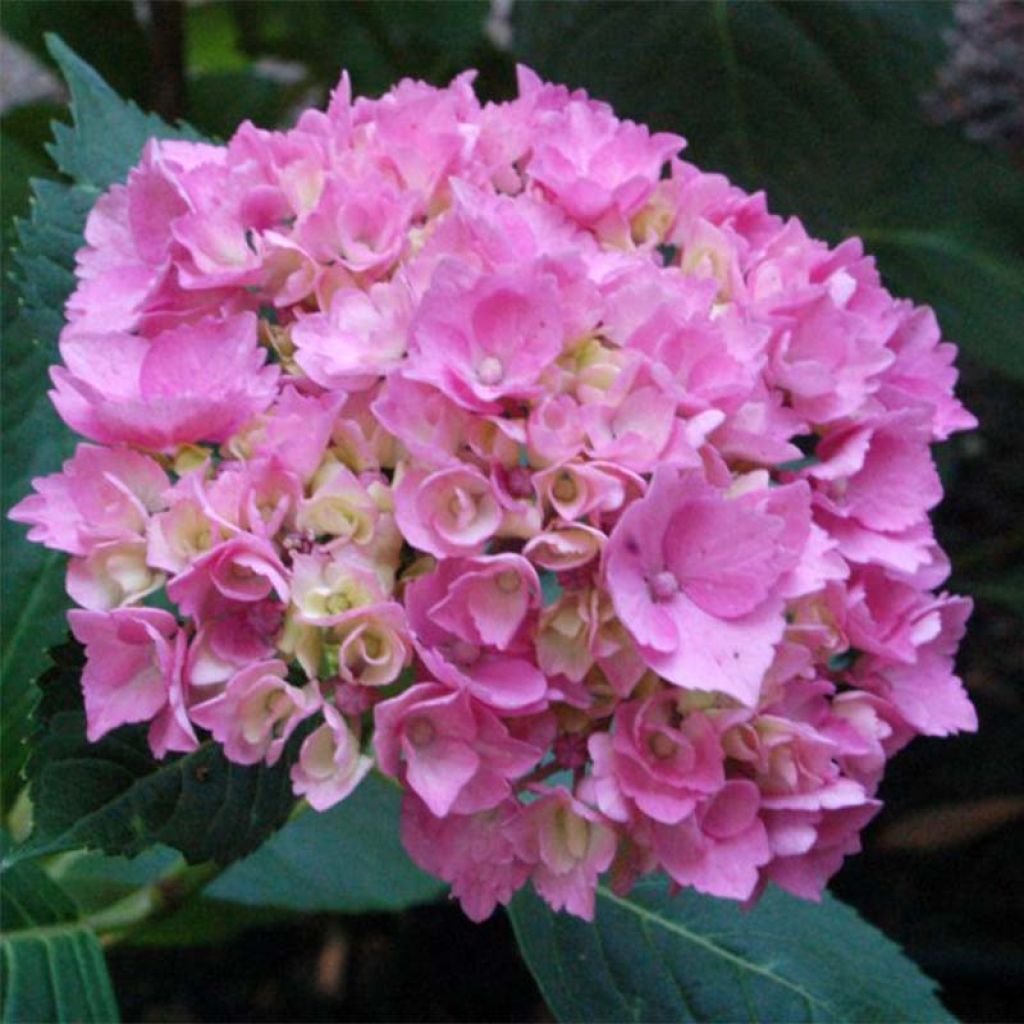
x=35, y=442
x=23, y=133
x=346, y=860
x=655, y=956
x=349, y=859
x=108, y=132
x=221, y=100
x=114, y=796
x=820, y=106
x=53, y=967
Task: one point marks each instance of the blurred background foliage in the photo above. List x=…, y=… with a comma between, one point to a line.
x=900, y=122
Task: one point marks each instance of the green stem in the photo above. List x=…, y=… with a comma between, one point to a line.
x=151, y=903
x=299, y=809
x=158, y=900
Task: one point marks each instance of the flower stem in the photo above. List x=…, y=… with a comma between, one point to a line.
x=151, y=903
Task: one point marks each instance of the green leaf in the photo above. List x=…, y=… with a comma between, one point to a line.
x=114, y=796
x=53, y=967
x=659, y=957
x=98, y=879
x=818, y=104
x=34, y=443
x=108, y=133
x=349, y=859
x=23, y=133
x=206, y=922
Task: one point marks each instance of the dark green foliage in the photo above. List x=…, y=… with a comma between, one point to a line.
x=34, y=443
x=53, y=968
x=108, y=132
x=108, y=30
x=349, y=859
x=655, y=956
x=377, y=41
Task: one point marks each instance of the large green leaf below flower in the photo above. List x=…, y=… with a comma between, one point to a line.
x=53, y=967
x=655, y=956
x=818, y=104
x=346, y=860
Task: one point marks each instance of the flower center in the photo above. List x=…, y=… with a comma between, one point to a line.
x=565, y=488
x=490, y=371
x=464, y=653
x=420, y=731
x=509, y=581
x=520, y=484
x=663, y=586
x=662, y=746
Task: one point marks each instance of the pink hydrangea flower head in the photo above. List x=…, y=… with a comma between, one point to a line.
x=475, y=853
x=448, y=637
x=570, y=846
x=589, y=161
x=449, y=512
x=596, y=490
x=360, y=337
x=488, y=601
x=243, y=569
x=369, y=645
x=719, y=849
x=112, y=574
x=663, y=762
x=103, y=494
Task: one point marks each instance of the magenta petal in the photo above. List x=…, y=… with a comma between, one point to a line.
x=438, y=772
x=721, y=554
x=508, y=684
x=730, y=656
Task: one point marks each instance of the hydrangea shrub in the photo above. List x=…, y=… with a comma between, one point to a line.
x=497, y=447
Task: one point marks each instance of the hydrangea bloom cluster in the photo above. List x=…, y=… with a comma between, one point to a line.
x=498, y=447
